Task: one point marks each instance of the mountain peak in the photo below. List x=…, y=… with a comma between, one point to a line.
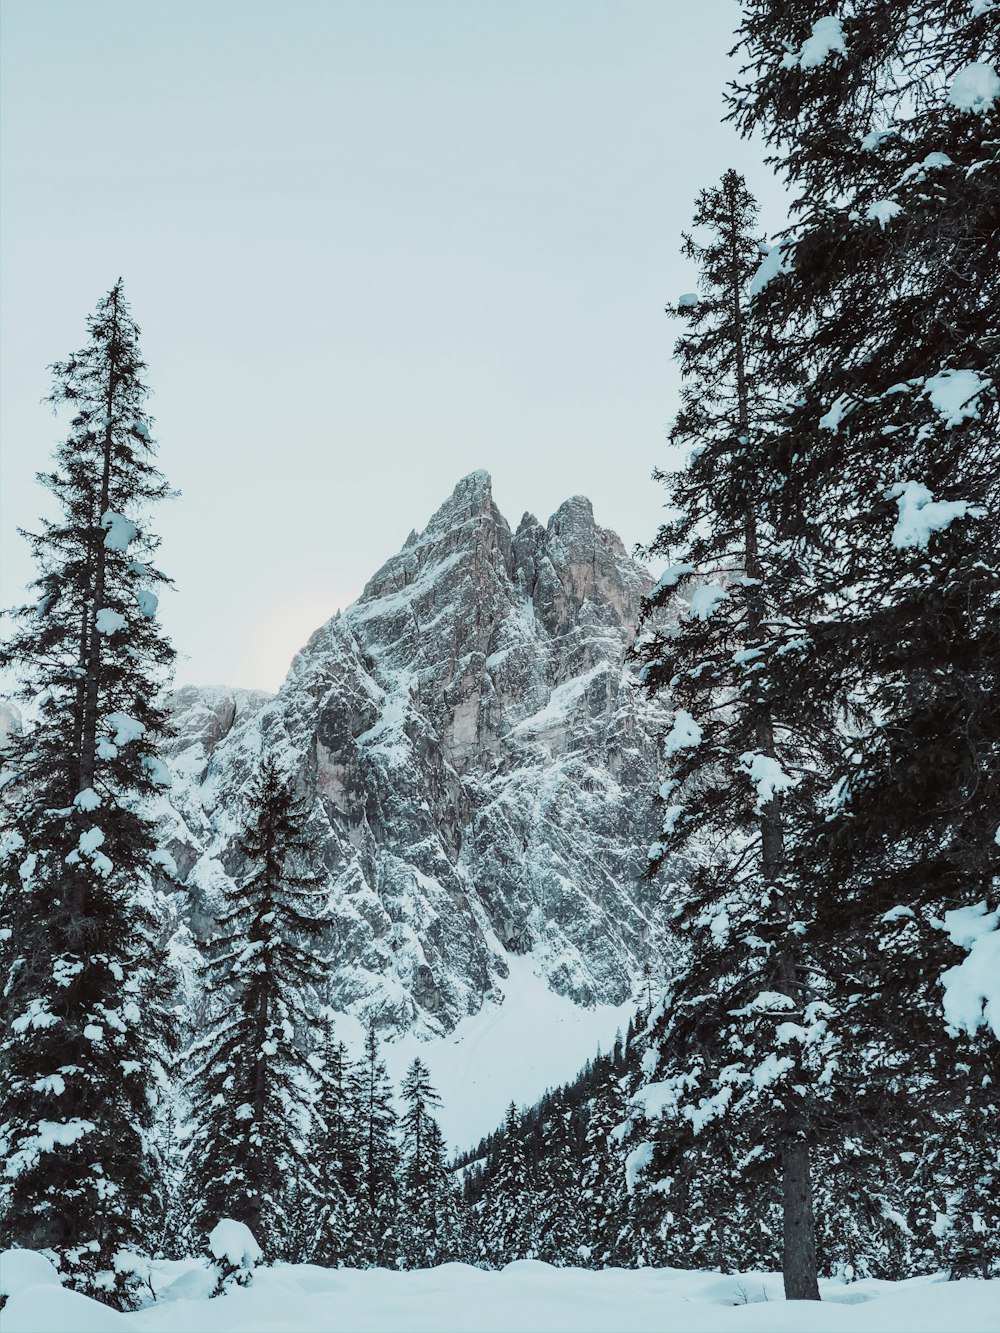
x=481, y=774
x=472, y=498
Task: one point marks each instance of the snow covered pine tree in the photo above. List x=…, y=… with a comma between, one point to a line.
x=251, y=1075
x=335, y=1151
x=507, y=1222
x=378, y=1197
x=739, y=1052
x=884, y=116
x=430, y=1228
x=607, y=1238
x=86, y=987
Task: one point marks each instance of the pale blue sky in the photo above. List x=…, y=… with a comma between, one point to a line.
x=372, y=245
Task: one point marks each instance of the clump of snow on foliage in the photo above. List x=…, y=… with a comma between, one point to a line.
x=687, y=301
x=771, y=1069
x=148, y=602
x=48, y=1135
x=108, y=621
x=883, y=211
x=832, y=419
x=767, y=776
x=972, y=987
x=874, y=140
x=705, y=599
x=120, y=531
x=10, y=843
x=126, y=728
x=920, y=169
x=685, y=734
x=90, y=841
x=671, y=816
x=975, y=88
x=954, y=394
x=899, y=913
x=158, y=772
x=777, y=260
x=87, y=800
x=825, y=40
x=671, y=576
x=920, y=514
x=635, y=1163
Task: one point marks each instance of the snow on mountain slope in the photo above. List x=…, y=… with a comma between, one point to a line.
x=512, y=1050
x=481, y=774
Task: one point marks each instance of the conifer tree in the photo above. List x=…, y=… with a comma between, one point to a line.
x=86, y=986
x=430, y=1231
x=507, y=1211
x=885, y=119
x=604, y=1202
x=378, y=1239
x=560, y=1207
x=251, y=1075
x=336, y=1153
x=741, y=1048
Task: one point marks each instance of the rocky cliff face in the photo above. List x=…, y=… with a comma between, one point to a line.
x=480, y=770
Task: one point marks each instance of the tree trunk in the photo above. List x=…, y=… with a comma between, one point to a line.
x=799, y=1259
x=88, y=754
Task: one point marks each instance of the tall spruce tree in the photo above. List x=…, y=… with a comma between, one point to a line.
x=86, y=988
x=885, y=120
x=560, y=1209
x=507, y=1212
x=605, y=1230
x=336, y=1153
x=741, y=1049
x=251, y=1074
x=430, y=1229
x=378, y=1229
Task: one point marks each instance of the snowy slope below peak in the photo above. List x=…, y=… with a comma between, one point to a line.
x=527, y=1040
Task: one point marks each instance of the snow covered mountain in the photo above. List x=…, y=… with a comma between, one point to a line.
x=480, y=769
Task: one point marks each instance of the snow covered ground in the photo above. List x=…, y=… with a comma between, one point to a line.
x=526, y=1297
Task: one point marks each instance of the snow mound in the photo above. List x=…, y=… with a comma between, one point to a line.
x=20, y=1269
x=235, y=1242
x=55, y=1309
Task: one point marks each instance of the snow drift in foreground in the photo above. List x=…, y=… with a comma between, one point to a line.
x=525, y=1296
